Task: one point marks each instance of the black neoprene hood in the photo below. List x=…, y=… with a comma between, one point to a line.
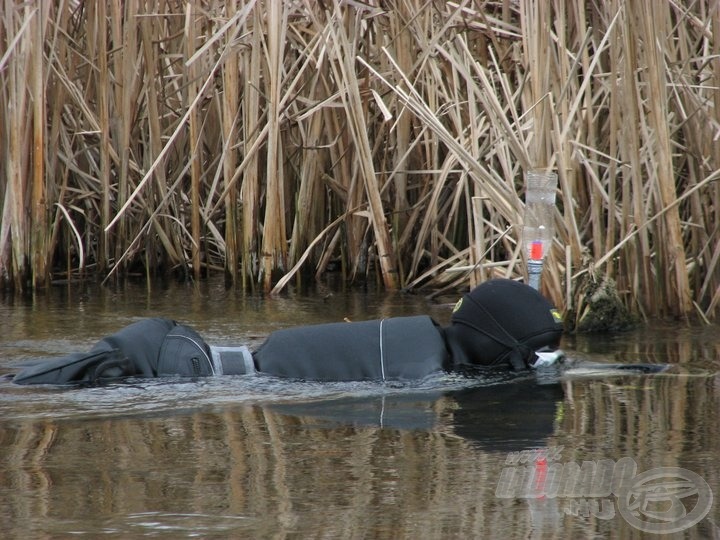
x=502, y=321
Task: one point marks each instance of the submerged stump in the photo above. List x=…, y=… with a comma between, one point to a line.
x=600, y=308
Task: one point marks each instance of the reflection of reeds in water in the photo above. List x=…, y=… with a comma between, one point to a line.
x=286, y=475
x=275, y=471
x=658, y=421
x=252, y=136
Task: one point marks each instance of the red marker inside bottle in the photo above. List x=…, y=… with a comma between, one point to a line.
x=536, y=250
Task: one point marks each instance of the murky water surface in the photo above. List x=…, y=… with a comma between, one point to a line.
x=586, y=454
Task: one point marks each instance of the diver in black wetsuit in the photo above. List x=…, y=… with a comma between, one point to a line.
x=500, y=323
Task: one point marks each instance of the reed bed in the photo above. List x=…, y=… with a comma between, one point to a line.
x=268, y=140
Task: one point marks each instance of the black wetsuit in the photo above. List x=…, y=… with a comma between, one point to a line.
x=501, y=322
x=387, y=349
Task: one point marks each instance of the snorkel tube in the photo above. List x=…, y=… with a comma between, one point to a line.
x=538, y=232
x=538, y=222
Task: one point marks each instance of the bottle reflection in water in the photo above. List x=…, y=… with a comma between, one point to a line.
x=539, y=221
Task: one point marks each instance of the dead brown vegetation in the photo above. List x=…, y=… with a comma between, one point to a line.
x=261, y=138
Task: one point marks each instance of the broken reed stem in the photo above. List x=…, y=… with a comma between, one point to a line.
x=232, y=135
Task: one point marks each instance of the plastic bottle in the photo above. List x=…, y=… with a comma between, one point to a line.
x=539, y=220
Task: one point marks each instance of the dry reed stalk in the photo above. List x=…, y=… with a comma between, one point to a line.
x=614, y=222
x=302, y=73
x=637, y=264
x=708, y=96
x=345, y=73
x=252, y=117
x=230, y=121
x=478, y=275
x=350, y=190
x=57, y=184
x=172, y=246
x=14, y=232
x=569, y=117
x=177, y=128
x=102, y=89
x=490, y=181
x=654, y=24
x=283, y=281
x=125, y=66
x=310, y=204
x=472, y=157
x=194, y=135
x=536, y=22
x=712, y=278
x=38, y=209
x=402, y=46
x=596, y=196
x=273, y=240
x=391, y=120
x=344, y=188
